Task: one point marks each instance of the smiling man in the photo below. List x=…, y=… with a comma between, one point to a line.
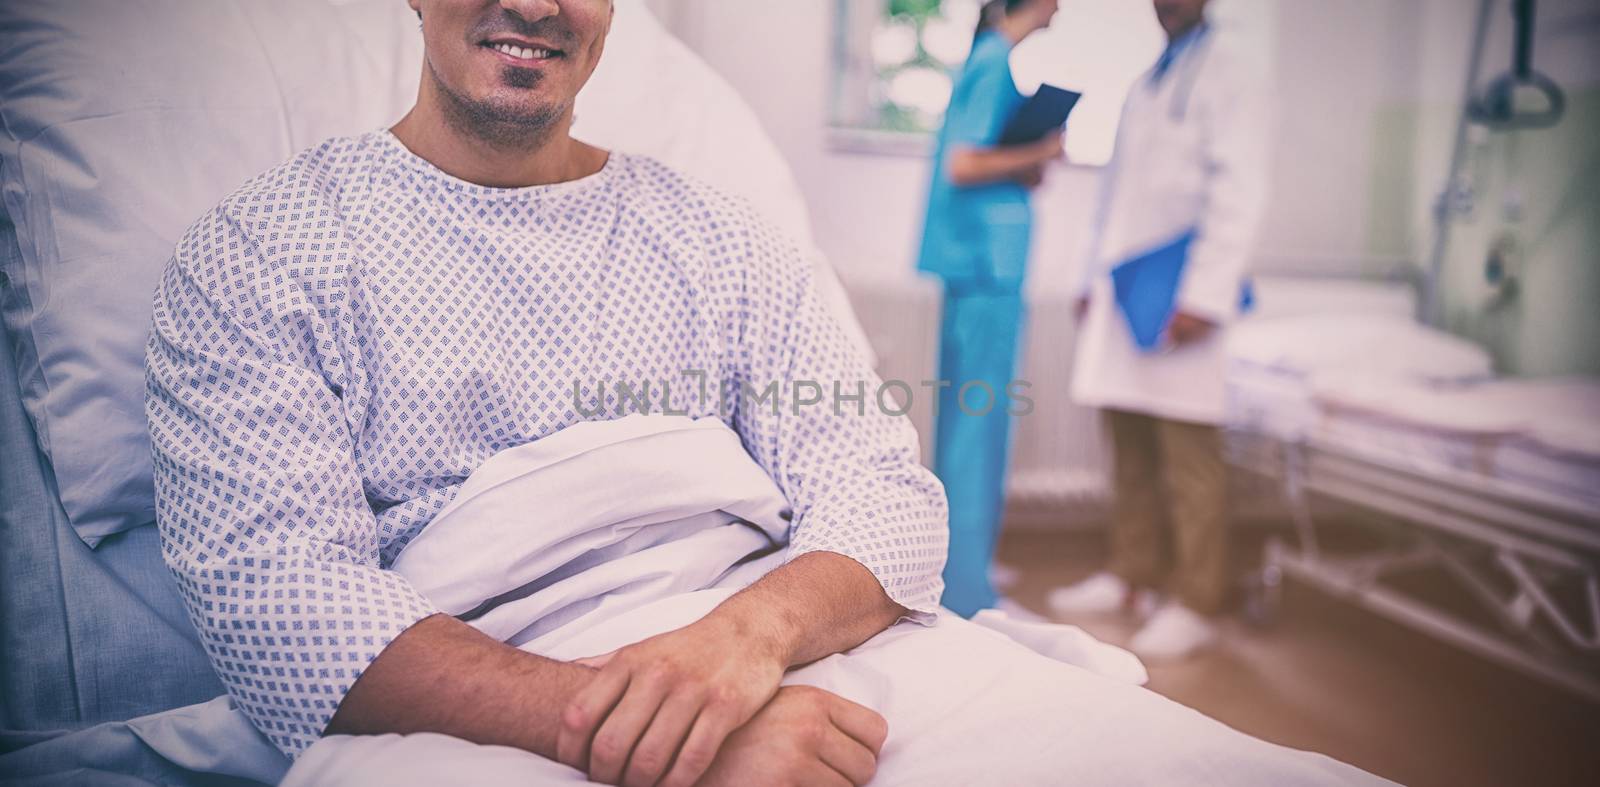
x=341, y=343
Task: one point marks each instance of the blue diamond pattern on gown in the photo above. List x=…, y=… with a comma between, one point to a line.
x=341, y=342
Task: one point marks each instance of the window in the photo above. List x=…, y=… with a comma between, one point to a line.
x=894, y=60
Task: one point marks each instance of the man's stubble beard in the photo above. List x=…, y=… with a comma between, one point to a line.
x=499, y=126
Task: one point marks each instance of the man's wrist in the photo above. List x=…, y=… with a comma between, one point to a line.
x=442, y=675
x=563, y=688
x=761, y=630
x=817, y=604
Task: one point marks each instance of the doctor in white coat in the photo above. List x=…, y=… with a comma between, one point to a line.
x=1190, y=156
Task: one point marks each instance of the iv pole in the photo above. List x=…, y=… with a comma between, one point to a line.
x=1450, y=200
x=1496, y=109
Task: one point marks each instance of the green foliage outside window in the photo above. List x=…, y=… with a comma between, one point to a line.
x=916, y=44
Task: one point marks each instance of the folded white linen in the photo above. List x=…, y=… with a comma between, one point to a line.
x=1357, y=343
x=1559, y=413
x=593, y=520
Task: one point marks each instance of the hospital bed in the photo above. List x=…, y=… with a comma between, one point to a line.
x=1495, y=483
x=121, y=121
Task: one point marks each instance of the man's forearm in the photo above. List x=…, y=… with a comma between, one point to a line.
x=444, y=676
x=818, y=604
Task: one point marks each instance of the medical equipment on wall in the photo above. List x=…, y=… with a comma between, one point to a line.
x=1502, y=266
x=1502, y=105
x=1497, y=106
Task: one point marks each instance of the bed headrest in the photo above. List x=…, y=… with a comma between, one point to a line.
x=652, y=95
x=121, y=121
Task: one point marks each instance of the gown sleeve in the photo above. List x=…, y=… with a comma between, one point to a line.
x=833, y=437
x=259, y=502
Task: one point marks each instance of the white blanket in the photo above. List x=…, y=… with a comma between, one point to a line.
x=547, y=539
x=608, y=533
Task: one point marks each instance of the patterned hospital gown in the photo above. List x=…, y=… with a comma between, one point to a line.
x=342, y=341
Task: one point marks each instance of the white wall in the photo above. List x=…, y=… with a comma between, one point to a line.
x=1338, y=66
x=867, y=209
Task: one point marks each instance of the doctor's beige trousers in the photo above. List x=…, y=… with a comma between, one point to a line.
x=1169, y=520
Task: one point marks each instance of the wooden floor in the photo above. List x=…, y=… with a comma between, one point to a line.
x=1331, y=678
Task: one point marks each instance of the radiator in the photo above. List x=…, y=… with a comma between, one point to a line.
x=1058, y=456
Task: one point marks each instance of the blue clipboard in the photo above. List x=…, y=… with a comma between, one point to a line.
x=1044, y=113
x=1146, y=289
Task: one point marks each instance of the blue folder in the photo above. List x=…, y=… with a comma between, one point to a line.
x=1044, y=113
x=1146, y=288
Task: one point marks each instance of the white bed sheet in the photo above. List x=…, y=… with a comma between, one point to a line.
x=1535, y=436
x=1340, y=363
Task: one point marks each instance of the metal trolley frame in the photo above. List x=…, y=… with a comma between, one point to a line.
x=1531, y=561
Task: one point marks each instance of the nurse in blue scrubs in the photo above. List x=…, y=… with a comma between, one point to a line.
x=976, y=241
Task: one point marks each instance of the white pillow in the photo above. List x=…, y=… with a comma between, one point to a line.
x=124, y=120
x=1365, y=344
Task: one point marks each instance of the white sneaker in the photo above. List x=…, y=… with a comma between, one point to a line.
x=1003, y=577
x=1174, y=632
x=1101, y=594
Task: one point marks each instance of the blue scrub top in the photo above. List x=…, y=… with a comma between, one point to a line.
x=977, y=234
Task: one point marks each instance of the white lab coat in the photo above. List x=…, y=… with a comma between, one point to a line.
x=1191, y=152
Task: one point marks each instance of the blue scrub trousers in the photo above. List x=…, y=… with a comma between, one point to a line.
x=977, y=351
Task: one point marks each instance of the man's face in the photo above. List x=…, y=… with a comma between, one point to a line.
x=1176, y=16
x=512, y=63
